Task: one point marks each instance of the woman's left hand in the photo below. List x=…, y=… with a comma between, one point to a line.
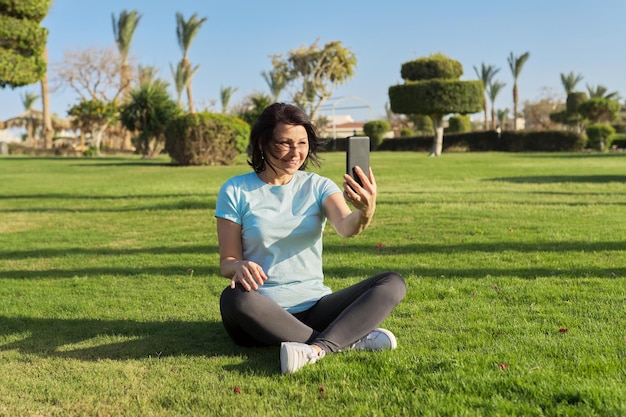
x=363, y=198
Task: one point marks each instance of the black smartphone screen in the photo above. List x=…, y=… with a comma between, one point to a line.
x=357, y=154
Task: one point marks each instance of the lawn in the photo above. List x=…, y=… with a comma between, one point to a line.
x=516, y=305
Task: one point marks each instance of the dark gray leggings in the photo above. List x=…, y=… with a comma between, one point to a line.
x=333, y=323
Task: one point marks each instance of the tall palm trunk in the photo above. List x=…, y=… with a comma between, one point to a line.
x=515, y=98
x=125, y=78
x=188, y=70
x=47, y=130
x=486, y=109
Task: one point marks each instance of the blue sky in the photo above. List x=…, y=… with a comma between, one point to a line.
x=234, y=45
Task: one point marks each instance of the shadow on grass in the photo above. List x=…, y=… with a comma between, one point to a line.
x=548, y=179
x=79, y=251
x=492, y=247
x=82, y=197
x=167, y=271
x=179, y=205
x=94, y=340
x=87, y=339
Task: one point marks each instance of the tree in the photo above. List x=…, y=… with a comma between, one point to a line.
x=601, y=92
x=22, y=42
x=570, y=116
x=502, y=115
x=94, y=116
x=315, y=73
x=47, y=130
x=493, y=89
x=276, y=82
x=538, y=114
x=92, y=73
x=149, y=76
x=252, y=106
x=226, y=93
x=186, y=31
x=516, y=64
x=599, y=110
x=123, y=30
x=569, y=81
x=486, y=74
x=433, y=87
x=28, y=100
x=148, y=112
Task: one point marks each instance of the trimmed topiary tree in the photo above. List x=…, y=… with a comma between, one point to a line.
x=22, y=41
x=376, y=129
x=599, y=136
x=432, y=87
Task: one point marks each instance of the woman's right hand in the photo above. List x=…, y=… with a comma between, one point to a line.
x=249, y=274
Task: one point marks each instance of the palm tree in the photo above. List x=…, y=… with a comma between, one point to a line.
x=601, y=92
x=182, y=78
x=493, y=89
x=276, y=82
x=186, y=31
x=502, y=115
x=516, y=64
x=47, y=130
x=28, y=100
x=149, y=76
x=486, y=74
x=123, y=30
x=226, y=93
x=569, y=81
x=148, y=113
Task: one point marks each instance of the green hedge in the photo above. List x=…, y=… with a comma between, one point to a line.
x=550, y=141
x=205, y=139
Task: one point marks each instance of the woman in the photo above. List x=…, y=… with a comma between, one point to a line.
x=269, y=226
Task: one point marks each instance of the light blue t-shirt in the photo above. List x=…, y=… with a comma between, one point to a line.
x=281, y=230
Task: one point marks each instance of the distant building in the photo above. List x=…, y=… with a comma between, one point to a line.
x=342, y=126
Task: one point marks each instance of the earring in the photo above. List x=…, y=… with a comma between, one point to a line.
x=262, y=156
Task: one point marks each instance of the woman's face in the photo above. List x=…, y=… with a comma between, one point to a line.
x=288, y=149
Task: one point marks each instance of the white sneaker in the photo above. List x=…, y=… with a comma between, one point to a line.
x=377, y=339
x=294, y=356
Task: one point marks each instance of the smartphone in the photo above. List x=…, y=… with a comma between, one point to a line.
x=357, y=154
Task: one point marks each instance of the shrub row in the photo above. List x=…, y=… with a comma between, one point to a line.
x=549, y=141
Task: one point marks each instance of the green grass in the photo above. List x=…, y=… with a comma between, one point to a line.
x=516, y=305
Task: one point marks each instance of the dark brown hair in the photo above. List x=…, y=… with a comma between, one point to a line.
x=263, y=132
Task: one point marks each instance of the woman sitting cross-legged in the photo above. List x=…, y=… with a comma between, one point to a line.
x=270, y=224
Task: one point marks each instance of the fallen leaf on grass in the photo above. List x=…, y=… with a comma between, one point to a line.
x=236, y=390
x=503, y=366
x=563, y=330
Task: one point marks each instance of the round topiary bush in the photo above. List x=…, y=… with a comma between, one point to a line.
x=376, y=129
x=206, y=139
